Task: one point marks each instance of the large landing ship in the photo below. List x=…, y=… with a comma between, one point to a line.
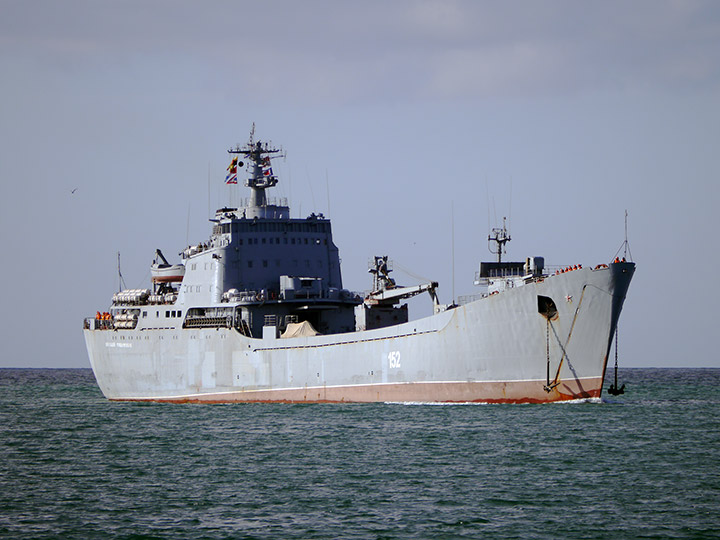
x=258, y=313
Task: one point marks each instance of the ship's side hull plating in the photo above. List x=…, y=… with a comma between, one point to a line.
x=502, y=348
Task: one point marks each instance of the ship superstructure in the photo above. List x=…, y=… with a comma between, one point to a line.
x=258, y=312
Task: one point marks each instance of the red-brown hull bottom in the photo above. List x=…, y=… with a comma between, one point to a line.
x=426, y=392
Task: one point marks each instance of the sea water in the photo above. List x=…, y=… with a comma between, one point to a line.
x=645, y=464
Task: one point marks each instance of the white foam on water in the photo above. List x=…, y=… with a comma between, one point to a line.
x=596, y=400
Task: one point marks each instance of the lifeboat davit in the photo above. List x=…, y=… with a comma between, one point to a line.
x=167, y=273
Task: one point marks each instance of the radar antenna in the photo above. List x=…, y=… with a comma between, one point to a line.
x=500, y=237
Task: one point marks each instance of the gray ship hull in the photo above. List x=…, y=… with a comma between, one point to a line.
x=500, y=348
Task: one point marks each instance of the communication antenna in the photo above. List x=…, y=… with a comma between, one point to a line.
x=510, y=212
x=312, y=192
x=452, y=242
x=487, y=200
x=121, y=281
x=187, y=230
x=289, y=182
x=327, y=187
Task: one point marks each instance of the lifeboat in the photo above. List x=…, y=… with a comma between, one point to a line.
x=166, y=273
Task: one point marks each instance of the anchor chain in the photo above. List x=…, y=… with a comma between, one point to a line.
x=614, y=390
x=548, y=387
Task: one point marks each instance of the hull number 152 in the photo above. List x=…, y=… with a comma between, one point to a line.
x=394, y=359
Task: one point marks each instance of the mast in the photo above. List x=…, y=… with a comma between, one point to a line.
x=258, y=154
x=500, y=237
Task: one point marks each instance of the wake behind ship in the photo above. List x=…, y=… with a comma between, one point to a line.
x=259, y=313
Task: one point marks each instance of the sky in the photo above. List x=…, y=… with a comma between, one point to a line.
x=416, y=126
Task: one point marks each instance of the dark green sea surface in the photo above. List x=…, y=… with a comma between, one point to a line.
x=643, y=465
